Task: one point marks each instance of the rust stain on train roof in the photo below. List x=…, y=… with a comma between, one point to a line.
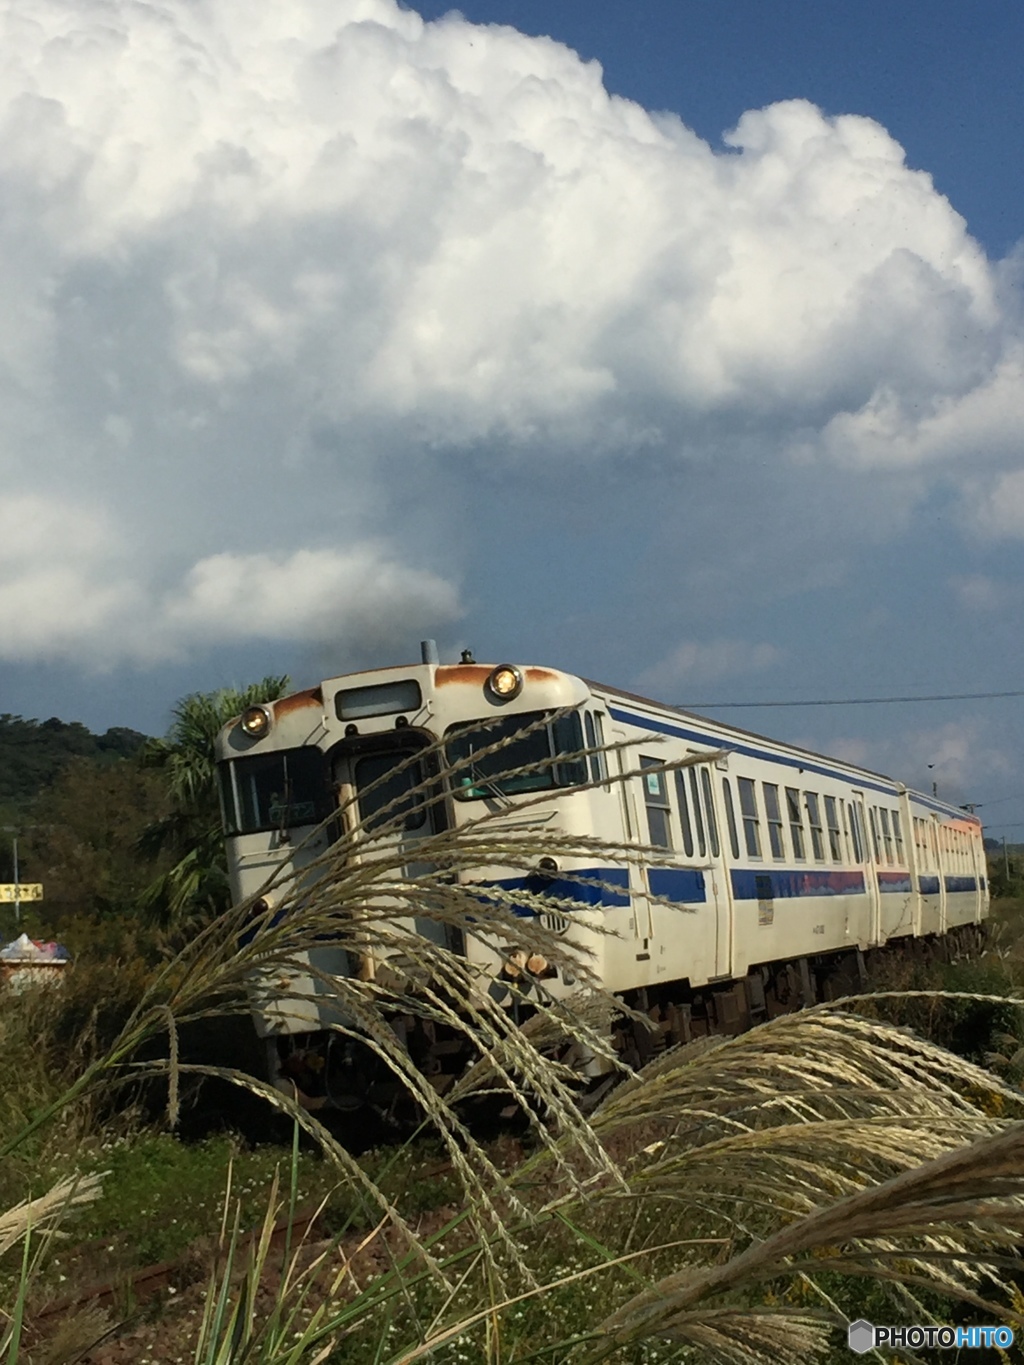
x=446, y=674
x=298, y=701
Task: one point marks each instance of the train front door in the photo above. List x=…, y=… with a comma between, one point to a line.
x=383, y=787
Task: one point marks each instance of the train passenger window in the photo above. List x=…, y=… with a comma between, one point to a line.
x=796, y=822
x=774, y=812
x=832, y=821
x=897, y=834
x=656, y=801
x=883, y=820
x=748, y=810
x=814, y=818
x=698, y=819
x=684, y=813
x=730, y=818
x=709, y=811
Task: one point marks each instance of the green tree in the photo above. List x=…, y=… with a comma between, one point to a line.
x=194, y=889
x=78, y=838
x=33, y=752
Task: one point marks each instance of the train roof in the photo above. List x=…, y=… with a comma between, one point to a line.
x=723, y=726
x=737, y=730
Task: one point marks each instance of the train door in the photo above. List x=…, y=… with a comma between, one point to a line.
x=383, y=787
x=866, y=835
x=717, y=884
x=640, y=910
x=979, y=866
x=939, y=857
x=695, y=939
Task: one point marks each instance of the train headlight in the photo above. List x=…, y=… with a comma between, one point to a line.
x=505, y=682
x=256, y=721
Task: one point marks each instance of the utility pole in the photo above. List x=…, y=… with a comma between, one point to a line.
x=1006, y=861
x=17, y=886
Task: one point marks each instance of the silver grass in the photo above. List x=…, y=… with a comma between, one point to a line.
x=817, y=1143
x=44, y=1213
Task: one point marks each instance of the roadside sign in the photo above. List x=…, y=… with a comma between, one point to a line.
x=27, y=891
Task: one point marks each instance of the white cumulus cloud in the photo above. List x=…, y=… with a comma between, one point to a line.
x=264, y=265
x=69, y=589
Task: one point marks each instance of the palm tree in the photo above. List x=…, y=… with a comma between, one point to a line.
x=194, y=889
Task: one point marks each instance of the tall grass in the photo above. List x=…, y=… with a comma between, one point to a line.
x=738, y=1200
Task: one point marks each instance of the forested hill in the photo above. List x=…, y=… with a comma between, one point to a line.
x=32, y=752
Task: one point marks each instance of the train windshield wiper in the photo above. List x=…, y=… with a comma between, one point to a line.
x=488, y=785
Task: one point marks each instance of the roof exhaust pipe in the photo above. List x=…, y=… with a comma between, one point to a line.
x=428, y=652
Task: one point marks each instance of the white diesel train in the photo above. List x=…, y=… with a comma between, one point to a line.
x=789, y=865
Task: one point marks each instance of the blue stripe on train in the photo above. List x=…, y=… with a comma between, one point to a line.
x=961, y=883
x=748, y=885
x=930, y=885
x=581, y=886
x=677, y=883
x=894, y=881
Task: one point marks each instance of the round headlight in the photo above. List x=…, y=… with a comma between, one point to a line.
x=256, y=721
x=505, y=682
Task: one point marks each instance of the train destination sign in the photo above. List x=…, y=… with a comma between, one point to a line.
x=27, y=891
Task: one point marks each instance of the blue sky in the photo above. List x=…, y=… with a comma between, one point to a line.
x=699, y=371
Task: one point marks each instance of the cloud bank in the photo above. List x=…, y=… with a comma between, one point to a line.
x=263, y=265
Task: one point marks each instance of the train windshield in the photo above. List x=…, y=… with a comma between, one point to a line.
x=274, y=791
x=480, y=774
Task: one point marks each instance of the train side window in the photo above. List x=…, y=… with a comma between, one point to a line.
x=796, y=822
x=591, y=739
x=844, y=811
x=698, y=819
x=814, y=819
x=897, y=834
x=883, y=820
x=684, y=813
x=730, y=818
x=657, y=803
x=856, y=825
x=832, y=821
x=709, y=812
x=625, y=796
x=873, y=822
x=602, y=759
x=774, y=814
x=748, y=810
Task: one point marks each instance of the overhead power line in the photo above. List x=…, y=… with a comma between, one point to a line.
x=851, y=701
